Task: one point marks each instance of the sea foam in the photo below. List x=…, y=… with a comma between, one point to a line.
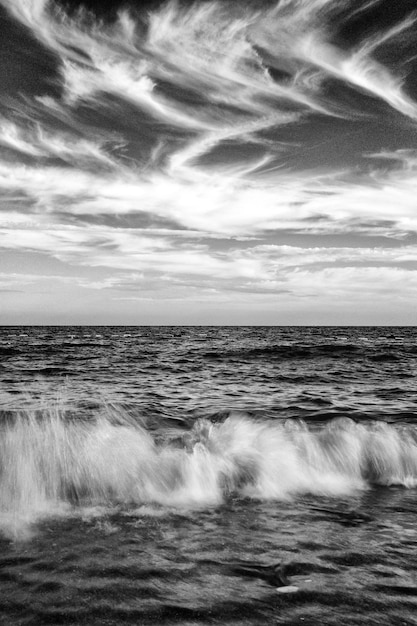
x=51, y=465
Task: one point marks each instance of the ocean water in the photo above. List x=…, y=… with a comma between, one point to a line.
x=165, y=475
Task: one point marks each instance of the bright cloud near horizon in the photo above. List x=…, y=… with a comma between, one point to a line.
x=208, y=162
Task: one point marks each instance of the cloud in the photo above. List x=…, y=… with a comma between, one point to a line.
x=356, y=284
x=382, y=202
x=297, y=31
x=208, y=69
x=169, y=133
x=161, y=257
x=35, y=141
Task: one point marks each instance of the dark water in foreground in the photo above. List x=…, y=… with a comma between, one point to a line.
x=156, y=475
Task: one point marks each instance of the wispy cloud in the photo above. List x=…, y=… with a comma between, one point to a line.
x=383, y=201
x=35, y=141
x=305, y=37
x=173, y=145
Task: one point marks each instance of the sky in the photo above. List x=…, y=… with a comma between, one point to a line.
x=208, y=162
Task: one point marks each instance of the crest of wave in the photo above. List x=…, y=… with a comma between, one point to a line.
x=51, y=465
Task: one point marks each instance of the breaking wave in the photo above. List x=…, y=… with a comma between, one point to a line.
x=51, y=465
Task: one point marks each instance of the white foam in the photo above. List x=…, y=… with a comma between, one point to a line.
x=52, y=466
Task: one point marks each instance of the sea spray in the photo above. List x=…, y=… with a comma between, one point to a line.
x=51, y=465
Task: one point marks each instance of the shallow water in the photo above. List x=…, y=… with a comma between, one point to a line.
x=156, y=475
x=148, y=566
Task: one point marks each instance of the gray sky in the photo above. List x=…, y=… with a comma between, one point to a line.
x=208, y=163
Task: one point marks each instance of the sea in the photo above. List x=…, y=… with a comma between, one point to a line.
x=208, y=475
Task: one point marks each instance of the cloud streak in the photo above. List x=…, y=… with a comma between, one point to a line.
x=177, y=143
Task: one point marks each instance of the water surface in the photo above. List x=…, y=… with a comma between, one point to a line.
x=156, y=475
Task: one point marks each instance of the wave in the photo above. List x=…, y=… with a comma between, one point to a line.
x=49, y=371
x=287, y=351
x=52, y=465
x=380, y=353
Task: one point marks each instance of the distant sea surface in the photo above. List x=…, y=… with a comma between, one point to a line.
x=208, y=475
